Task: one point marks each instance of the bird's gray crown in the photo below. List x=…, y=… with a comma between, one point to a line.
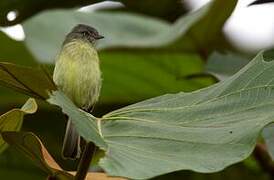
x=82, y=31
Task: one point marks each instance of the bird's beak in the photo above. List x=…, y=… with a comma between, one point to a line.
x=100, y=37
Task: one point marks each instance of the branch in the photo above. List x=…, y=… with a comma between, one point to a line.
x=85, y=162
x=263, y=159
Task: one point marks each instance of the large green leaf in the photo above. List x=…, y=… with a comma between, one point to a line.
x=137, y=51
x=11, y=164
x=128, y=78
x=27, y=8
x=30, y=81
x=205, y=131
x=120, y=30
x=14, y=52
x=193, y=32
x=268, y=132
x=165, y=9
x=168, y=9
x=201, y=31
x=12, y=120
x=154, y=72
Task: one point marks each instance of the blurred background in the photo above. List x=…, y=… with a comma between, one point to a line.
x=152, y=47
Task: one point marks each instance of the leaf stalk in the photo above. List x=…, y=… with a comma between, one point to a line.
x=84, y=163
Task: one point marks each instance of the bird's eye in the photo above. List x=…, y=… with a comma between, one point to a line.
x=85, y=33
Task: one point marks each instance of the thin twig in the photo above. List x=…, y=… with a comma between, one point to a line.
x=85, y=162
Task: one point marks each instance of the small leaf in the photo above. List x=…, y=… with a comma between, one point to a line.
x=31, y=146
x=30, y=106
x=12, y=120
x=30, y=81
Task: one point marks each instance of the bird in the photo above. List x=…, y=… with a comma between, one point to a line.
x=77, y=74
x=260, y=2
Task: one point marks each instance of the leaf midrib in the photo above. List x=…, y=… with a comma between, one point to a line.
x=136, y=109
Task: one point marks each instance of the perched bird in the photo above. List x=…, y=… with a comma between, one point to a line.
x=77, y=74
x=261, y=2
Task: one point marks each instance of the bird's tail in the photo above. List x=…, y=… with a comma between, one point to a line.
x=71, y=145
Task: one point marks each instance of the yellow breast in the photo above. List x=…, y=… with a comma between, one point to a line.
x=77, y=73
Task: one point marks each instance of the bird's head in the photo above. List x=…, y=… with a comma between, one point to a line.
x=85, y=32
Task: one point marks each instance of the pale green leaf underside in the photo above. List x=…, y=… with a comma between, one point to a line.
x=204, y=131
x=268, y=135
x=12, y=120
x=86, y=124
x=268, y=132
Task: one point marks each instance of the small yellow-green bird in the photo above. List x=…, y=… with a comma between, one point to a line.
x=77, y=73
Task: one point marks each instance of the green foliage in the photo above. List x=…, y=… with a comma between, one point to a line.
x=129, y=31
x=223, y=66
x=12, y=120
x=30, y=81
x=218, y=119
x=142, y=57
x=186, y=130
x=135, y=44
x=86, y=124
x=165, y=9
x=168, y=9
x=121, y=68
x=27, y=8
x=269, y=130
x=29, y=144
x=13, y=51
x=268, y=135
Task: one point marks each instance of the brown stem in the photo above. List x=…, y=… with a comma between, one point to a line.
x=263, y=159
x=84, y=162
